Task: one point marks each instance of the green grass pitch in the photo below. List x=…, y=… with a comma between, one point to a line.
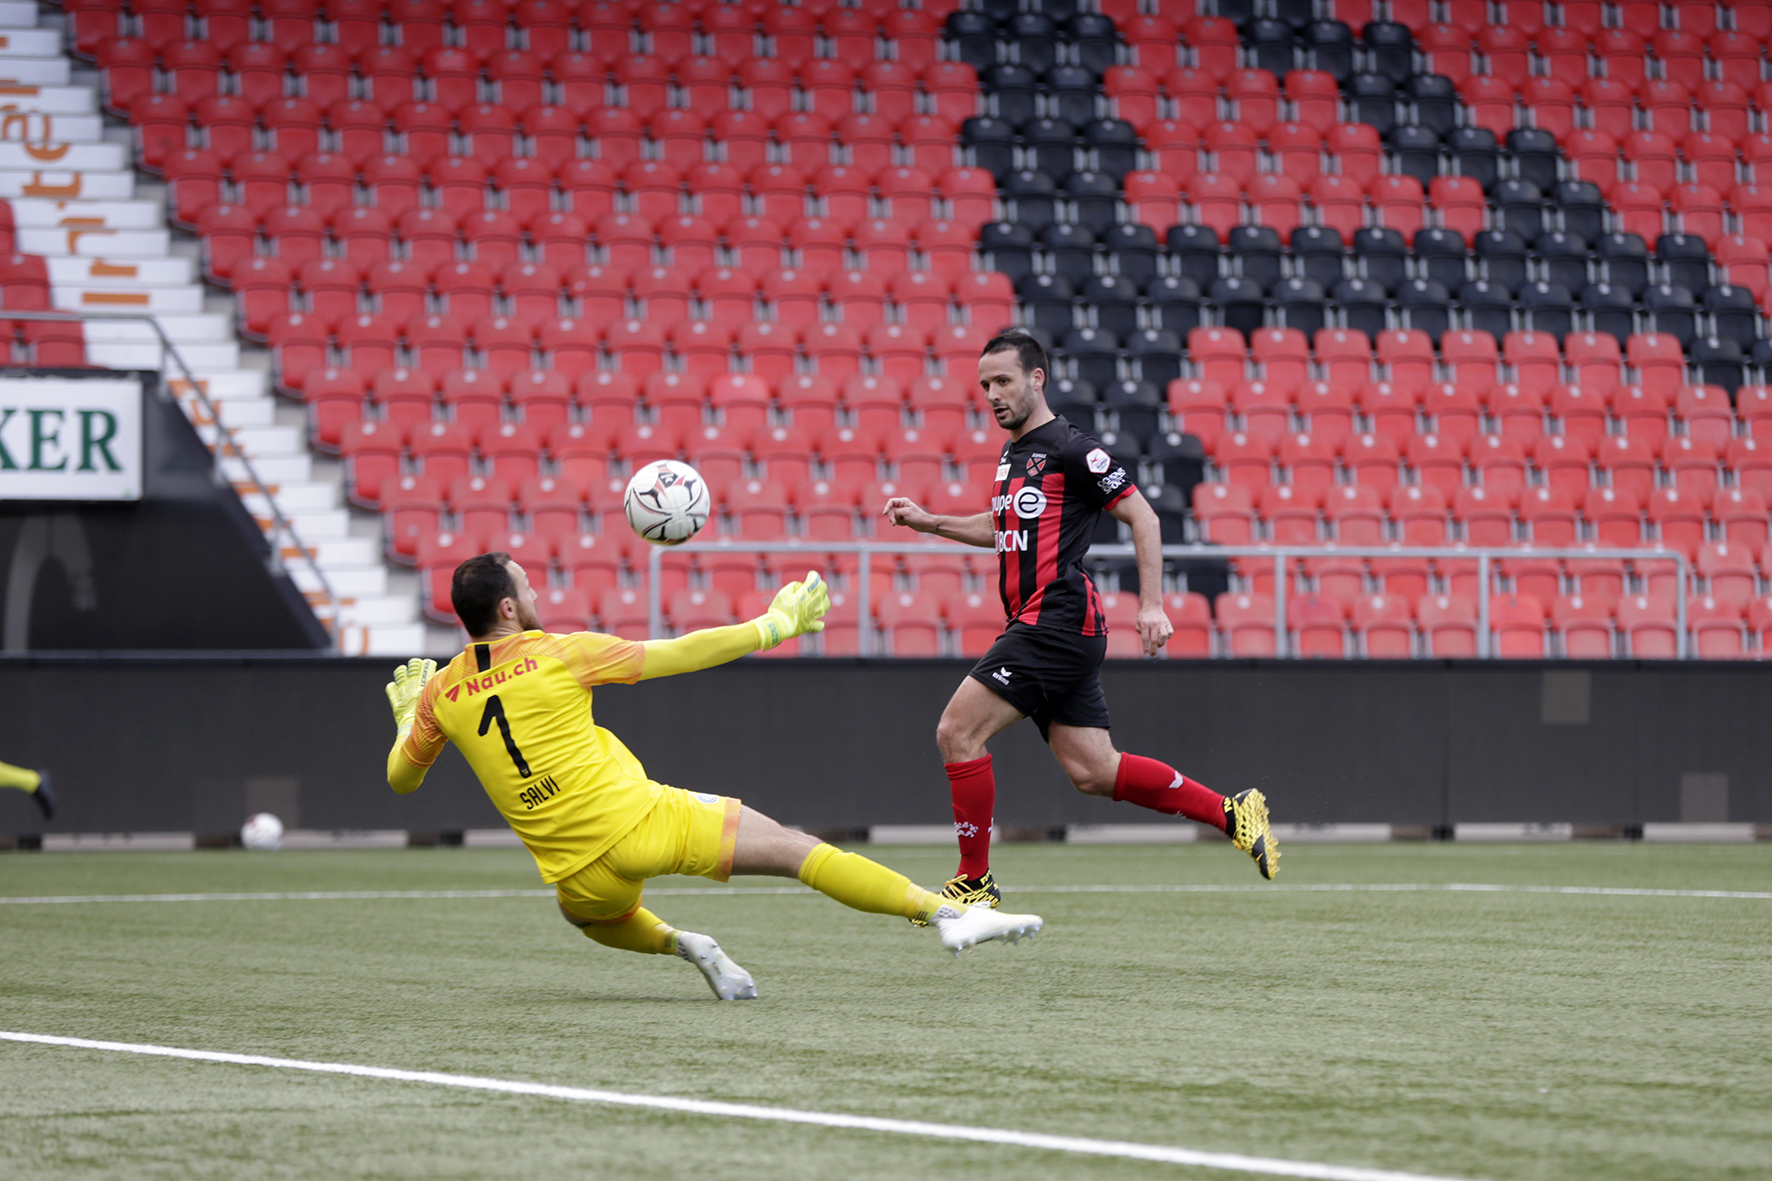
x=1503, y=1035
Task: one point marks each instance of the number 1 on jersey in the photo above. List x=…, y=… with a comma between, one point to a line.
x=495, y=712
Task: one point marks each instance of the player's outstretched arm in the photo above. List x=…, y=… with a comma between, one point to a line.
x=1154, y=628
x=973, y=530
x=798, y=608
x=403, y=693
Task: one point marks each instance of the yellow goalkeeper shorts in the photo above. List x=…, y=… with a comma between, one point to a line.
x=686, y=832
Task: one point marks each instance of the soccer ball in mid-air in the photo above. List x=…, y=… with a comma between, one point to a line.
x=667, y=502
x=262, y=831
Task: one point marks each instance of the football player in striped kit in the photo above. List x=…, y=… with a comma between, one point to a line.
x=1052, y=484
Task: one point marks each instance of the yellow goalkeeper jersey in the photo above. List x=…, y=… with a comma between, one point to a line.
x=520, y=710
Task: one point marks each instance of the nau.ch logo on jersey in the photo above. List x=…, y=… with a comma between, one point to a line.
x=492, y=680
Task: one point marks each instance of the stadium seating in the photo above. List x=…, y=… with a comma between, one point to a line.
x=1406, y=282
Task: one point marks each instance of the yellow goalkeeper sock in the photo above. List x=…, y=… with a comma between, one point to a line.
x=18, y=777
x=641, y=931
x=866, y=885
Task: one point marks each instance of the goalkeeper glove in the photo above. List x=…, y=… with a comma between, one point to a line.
x=409, y=681
x=796, y=610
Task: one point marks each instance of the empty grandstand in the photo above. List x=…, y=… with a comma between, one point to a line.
x=1478, y=283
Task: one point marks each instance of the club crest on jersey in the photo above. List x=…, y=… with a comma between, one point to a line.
x=1098, y=460
x=1029, y=503
x=1036, y=465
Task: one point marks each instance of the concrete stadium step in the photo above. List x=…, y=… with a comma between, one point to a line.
x=51, y=100
x=272, y=469
x=53, y=127
x=65, y=183
x=343, y=553
x=359, y=582
x=293, y=499
x=44, y=213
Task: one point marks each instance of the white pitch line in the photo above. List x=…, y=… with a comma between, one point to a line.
x=1230, y=1162
x=730, y=891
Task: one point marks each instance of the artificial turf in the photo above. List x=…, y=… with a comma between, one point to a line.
x=1504, y=1035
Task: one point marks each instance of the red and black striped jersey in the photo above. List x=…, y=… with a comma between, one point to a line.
x=1051, y=487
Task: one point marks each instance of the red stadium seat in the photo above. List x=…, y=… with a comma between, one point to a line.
x=1356, y=514
x=1420, y=511
x=910, y=623
x=1499, y=463
x=1449, y=623
x=1226, y=513
x=1584, y=624
x=1245, y=459
x=1694, y=465
x=1549, y=513
x=1678, y=518
x=1615, y=515
x=1518, y=625
x=1648, y=625
x=1717, y=628
x=1291, y=514
x=1384, y=626
x=1247, y=624
x=1392, y=410
x=1759, y=618
x=372, y=459
x=1742, y=514
x=1729, y=571
x=1191, y=615
x=1308, y=460
x=1265, y=408
x=1374, y=460
x=1318, y=625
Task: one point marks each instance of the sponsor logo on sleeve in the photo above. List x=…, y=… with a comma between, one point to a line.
x=1113, y=480
x=1098, y=460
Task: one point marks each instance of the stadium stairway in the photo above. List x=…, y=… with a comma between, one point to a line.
x=90, y=240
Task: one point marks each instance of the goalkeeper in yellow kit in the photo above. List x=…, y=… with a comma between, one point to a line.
x=518, y=704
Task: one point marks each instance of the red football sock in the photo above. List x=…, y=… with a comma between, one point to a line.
x=975, y=800
x=1161, y=788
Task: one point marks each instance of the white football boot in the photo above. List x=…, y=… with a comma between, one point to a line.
x=962, y=927
x=729, y=981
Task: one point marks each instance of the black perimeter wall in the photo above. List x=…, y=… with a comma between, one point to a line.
x=184, y=743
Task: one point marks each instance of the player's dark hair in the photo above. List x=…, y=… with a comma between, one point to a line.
x=478, y=586
x=1029, y=352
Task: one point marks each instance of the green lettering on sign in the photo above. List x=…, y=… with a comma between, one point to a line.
x=40, y=439
x=6, y=461
x=91, y=440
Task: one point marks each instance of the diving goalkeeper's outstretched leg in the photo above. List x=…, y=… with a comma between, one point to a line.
x=603, y=901
x=34, y=782
x=765, y=847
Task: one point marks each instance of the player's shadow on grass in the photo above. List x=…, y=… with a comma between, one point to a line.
x=626, y=998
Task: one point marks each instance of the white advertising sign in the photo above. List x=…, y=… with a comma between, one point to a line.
x=70, y=438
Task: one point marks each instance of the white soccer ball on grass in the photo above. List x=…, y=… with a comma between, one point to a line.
x=667, y=502
x=262, y=831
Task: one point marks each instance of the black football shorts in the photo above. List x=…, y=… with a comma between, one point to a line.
x=1047, y=674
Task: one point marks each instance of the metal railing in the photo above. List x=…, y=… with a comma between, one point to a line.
x=281, y=527
x=1483, y=556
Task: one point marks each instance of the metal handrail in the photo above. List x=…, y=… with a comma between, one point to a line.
x=281, y=525
x=1281, y=554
